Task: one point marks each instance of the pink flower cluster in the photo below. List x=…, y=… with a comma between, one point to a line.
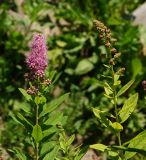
x=37, y=60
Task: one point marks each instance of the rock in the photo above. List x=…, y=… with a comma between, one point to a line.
x=140, y=19
x=140, y=15
x=91, y=155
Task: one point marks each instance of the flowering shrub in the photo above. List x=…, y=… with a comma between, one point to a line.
x=119, y=150
x=44, y=125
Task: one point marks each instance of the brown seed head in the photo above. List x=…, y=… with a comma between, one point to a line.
x=108, y=44
x=113, y=50
x=107, y=30
x=101, y=36
x=111, y=62
x=117, y=55
x=121, y=71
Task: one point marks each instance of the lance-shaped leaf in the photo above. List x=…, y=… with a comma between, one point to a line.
x=100, y=147
x=117, y=126
x=23, y=119
x=125, y=88
x=101, y=115
x=116, y=80
x=53, y=105
x=81, y=153
x=108, y=89
x=51, y=155
x=137, y=143
x=55, y=119
x=25, y=94
x=70, y=140
x=19, y=154
x=37, y=133
x=128, y=107
x=46, y=147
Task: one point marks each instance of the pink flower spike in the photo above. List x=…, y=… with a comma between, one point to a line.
x=37, y=60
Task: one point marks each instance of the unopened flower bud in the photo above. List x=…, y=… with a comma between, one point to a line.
x=47, y=82
x=102, y=30
x=117, y=55
x=101, y=36
x=120, y=71
x=32, y=90
x=113, y=50
x=108, y=44
x=108, y=36
x=107, y=30
x=111, y=62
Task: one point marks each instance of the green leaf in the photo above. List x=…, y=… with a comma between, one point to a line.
x=25, y=94
x=136, y=67
x=62, y=145
x=100, y=147
x=53, y=105
x=81, y=153
x=46, y=147
x=50, y=131
x=70, y=140
x=14, y=118
x=39, y=100
x=83, y=67
x=19, y=154
x=108, y=89
x=117, y=126
x=51, y=155
x=128, y=149
x=54, y=119
x=37, y=133
x=61, y=43
x=125, y=88
x=24, y=119
x=112, y=153
x=138, y=142
x=101, y=115
x=116, y=80
x=128, y=107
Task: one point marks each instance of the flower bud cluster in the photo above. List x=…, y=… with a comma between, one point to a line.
x=46, y=82
x=37, y=60
x=105, y=35
x=37, y=63
x=32, y=90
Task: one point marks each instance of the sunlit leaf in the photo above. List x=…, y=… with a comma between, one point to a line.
x=37, y=133
x=51, y=155
x=128, y=107
x=24, y=119
x=53, y=104
x=125, y=88
x=84, y=66
x=25, y=94
x=100, y=147
x=138, y=142
x=117, y=126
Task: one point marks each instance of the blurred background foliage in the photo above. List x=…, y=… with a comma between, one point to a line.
x=76, y=54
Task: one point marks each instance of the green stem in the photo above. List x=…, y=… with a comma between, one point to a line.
x=37, y=121
x=115, y=105
x=37, y=144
